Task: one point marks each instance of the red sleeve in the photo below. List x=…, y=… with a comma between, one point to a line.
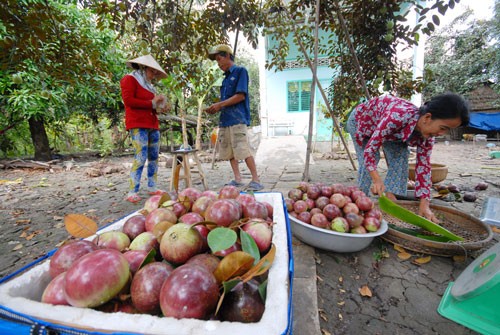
x=423, y=180
x=128, y=86
x=384, y=131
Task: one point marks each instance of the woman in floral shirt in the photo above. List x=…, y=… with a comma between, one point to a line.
x=396, y=124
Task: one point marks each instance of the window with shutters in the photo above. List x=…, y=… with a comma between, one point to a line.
x=299, y=95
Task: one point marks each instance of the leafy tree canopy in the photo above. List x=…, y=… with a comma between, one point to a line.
x=460, y=60
x=55, y=62
x=61, y=58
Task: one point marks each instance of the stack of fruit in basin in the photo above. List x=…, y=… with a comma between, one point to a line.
x=337, y=207
x=335, y=217
x=202, y=255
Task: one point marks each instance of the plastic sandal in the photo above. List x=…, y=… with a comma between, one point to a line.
x=234, y=183
x=133, y=198
x=254, y=186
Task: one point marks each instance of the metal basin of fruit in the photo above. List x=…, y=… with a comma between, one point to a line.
x=332, y=240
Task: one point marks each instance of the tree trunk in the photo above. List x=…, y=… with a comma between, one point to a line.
x=40, y=139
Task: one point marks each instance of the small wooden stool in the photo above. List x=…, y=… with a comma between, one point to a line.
x=181, y=169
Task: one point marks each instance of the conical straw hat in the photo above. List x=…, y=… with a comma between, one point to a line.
x=148, y=61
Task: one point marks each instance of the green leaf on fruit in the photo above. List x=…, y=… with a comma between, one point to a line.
x=249, y=246
x=263, y=290
x=150, y=257
x=230, y=284
x=221, y=238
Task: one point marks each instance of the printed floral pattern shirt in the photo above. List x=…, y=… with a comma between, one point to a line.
x=389, y=118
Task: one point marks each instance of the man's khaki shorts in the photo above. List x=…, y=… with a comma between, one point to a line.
x=233, y=142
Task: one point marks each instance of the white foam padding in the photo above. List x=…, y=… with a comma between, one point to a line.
x=23, y=293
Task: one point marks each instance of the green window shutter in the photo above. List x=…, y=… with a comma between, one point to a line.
x=293, y=96
x=299, y=96
x=305, y=98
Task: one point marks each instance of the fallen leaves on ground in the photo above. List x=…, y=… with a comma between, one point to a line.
x=102, y=169
x=365, y=291
x=17, y=247
x=404, y=255
x=385, y=253
x=422, y=260
x=17, y=212
x=323, y=315
x=459, y=258
x=29, y=237
x=79, y=225
x=11, y=182
x=399, y=248
x=43, y=183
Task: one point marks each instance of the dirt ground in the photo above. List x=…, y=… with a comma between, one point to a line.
x=33, y=203
x=404, y=296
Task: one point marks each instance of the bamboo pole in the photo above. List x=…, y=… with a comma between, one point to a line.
x=314, y=69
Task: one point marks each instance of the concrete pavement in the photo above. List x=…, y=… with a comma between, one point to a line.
x=281, y=161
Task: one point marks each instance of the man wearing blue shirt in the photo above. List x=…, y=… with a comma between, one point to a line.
x=234, y=119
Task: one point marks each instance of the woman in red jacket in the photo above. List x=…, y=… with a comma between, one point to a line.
x=142, y=103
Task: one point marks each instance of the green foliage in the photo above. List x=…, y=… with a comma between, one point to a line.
x=373, y=28
x=460, y=60
x=61, y=61
x=55, y=63
x=73, y=62
x=252, y=67
x=249, y=246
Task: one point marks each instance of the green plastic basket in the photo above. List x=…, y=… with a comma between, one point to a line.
x=495, y=154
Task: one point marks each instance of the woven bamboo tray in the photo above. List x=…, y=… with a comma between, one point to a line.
x=475, y=233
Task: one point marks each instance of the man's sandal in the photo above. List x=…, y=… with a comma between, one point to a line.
x=234, y=183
